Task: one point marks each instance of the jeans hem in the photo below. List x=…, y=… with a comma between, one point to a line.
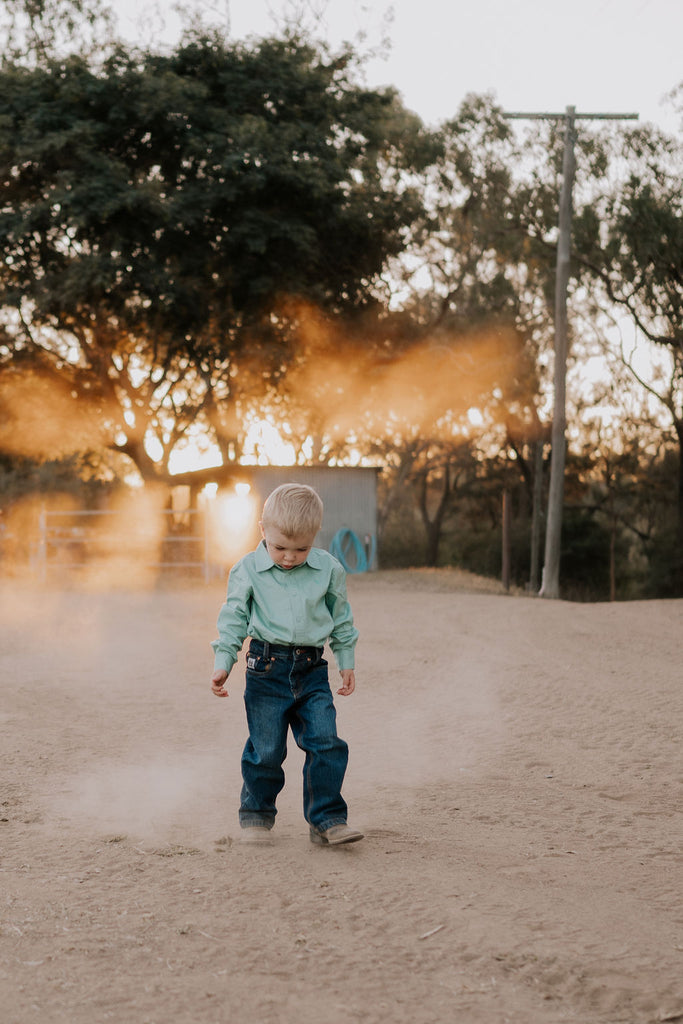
x=330, y=823
x=249, y=821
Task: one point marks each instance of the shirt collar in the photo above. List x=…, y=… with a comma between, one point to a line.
x=263, y=561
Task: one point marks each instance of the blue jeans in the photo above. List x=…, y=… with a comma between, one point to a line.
x=288, y=687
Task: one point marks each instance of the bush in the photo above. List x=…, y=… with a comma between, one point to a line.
x=664, y=577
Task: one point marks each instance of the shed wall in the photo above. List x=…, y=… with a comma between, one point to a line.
x=348, y=494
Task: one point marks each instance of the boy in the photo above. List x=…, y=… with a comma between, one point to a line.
x=289, y=598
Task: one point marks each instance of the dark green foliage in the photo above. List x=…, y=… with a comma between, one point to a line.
x=584, y=568
x=81, y=476
x=402, y=545
x=160, y=212
x=168, y=189
x=664, y=576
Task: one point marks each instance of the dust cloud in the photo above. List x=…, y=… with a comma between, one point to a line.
x=347, y=383
x=153, y=798
x=59, y=542
x=44, y=418
x=114, y=687
x=343, y=382
x=117, y=692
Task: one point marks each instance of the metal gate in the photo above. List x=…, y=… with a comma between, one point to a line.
x=73, y=540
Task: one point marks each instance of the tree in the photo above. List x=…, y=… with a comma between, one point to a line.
x=469, y=272
x=632, y=246
x=159, y=214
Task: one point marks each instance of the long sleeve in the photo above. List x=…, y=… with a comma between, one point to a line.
x=233, y=619
x=344, y=634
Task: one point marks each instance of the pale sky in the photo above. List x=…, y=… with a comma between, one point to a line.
x=604, y=56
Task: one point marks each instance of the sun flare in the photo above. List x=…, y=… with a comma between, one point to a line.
x=232, y=517
x=264, y=445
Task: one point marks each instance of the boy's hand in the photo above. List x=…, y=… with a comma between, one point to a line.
x=348, y=682
x=218, y=682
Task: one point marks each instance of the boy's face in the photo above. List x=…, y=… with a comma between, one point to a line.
x=286, y=552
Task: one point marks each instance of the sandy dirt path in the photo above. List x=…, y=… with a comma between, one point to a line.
x=516, y=766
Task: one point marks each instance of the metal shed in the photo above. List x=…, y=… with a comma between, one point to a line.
x=349, y=495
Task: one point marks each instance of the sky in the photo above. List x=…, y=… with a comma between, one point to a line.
x=600, y=56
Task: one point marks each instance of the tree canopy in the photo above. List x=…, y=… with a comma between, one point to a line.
x=629, y=246
x=157, y=213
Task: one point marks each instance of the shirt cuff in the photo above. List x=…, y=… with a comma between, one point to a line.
x=223, y=663
x=345, y=659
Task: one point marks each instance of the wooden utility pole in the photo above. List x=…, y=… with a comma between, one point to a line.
x=507, y=523
x=550, y=586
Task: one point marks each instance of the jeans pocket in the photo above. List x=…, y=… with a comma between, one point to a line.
x=258, y=664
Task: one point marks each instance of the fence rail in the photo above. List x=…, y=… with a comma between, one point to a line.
x=72, y=540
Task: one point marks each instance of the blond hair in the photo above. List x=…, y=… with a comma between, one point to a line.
x=294, y=509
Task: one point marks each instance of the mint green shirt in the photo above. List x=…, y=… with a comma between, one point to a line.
x=305, y=606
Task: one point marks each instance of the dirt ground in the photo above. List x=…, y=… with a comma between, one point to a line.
x=516, y=767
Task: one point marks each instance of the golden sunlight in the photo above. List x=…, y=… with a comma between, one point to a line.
x=264, y=445
x=232, y=516
x=198, y=453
